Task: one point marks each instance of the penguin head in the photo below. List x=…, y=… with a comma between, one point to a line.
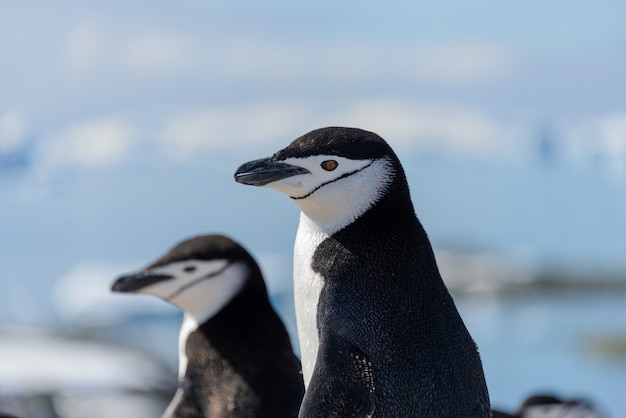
x=199, y=275
x=547, y=406
x=333, y=174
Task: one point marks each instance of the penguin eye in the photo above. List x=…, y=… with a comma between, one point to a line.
x=329, y=165
x=189, y=269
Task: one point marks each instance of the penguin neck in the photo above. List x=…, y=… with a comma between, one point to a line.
x=228, y=331
x=192, y=320
x=391, y=217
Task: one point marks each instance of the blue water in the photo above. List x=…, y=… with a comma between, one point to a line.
x=544, y=343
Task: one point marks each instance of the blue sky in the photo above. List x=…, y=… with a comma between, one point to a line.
x=559, y=59
x=121, y=125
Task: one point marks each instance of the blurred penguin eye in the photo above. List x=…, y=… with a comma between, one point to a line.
x=189, y=269
x=329, y=165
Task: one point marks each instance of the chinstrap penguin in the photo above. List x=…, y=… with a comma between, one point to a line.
x=548, y=406
x=379, y=332
x=235, y=356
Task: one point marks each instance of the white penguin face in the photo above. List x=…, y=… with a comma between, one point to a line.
x=336, y=190
x=200, y=288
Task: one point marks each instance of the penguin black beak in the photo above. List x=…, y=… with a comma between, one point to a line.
x=265, y=171
x=133, y=282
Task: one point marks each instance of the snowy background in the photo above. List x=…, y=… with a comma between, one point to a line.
x=121, y=126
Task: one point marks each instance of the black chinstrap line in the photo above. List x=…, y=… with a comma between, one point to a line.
x=348, y=174
x=198, y=280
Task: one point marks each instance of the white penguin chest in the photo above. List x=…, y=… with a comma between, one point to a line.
x=188, y=326
x=307, y=288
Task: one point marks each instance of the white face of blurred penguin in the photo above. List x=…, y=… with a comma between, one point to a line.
x=331, y=190
x=198, y=281
x=198, y=287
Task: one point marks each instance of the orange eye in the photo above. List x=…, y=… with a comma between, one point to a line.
x=189, y=269
x=329, y=165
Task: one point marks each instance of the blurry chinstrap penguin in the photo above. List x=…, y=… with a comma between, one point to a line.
x=235, y=356
x=379, y=332
x=548, y=406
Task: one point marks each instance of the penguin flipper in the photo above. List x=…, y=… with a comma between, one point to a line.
x=343, y=386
